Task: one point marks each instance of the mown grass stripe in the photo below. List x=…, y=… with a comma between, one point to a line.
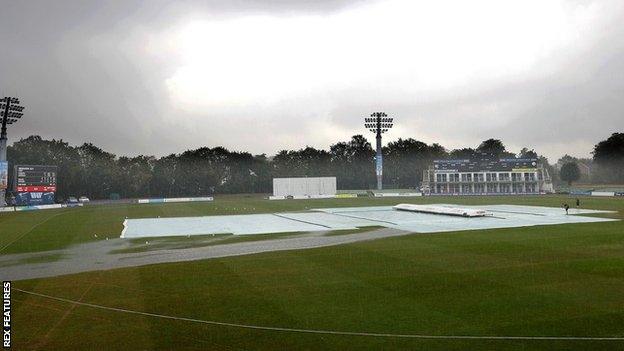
x=320, y=331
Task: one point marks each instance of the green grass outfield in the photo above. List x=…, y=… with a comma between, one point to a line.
x=561, y=280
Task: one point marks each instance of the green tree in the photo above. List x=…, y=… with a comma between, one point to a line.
x=307, y=162
x=570, y=172
x=98, y=172
x=526, y=153
x=405, y=160
x=353, y=163
x=133, y=176
x=609, y=157
x=92, y=171
x=466, y=153
x=163, y=179
x=494, y=147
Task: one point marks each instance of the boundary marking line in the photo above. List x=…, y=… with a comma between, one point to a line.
x=330, y=332
x=31, y=229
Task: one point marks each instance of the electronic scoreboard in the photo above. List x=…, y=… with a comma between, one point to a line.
x=35, y=178
x=35, y=184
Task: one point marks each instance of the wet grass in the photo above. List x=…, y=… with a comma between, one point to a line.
x=194, y=241
x=44, y=230
x=556, y=280
x=352, y=231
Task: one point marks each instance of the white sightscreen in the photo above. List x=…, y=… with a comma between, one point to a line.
x=304, y=186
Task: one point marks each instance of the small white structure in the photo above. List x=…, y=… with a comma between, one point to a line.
x=443, y=210
x=603, y=193
x=306, y=187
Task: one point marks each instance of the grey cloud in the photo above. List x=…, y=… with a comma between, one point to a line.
x=76, y=66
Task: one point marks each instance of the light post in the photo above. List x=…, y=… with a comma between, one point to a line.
x=10, y=112
x=378, y=123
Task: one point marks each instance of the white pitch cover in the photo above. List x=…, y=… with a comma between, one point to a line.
x=443, y=210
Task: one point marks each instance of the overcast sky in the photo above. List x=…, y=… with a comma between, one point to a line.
x=158, y=77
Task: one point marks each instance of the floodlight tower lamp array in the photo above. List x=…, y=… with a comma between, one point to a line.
x=378, y=123
x=10, y=113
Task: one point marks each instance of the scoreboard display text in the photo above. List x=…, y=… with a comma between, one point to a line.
x=30, y=178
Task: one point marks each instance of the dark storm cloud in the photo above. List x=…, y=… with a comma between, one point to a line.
x=76, y=66
x=82, y=71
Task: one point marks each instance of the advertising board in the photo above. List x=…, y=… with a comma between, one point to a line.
x=4, y=175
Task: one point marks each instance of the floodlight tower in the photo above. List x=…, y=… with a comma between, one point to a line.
x=378, y=123
x=10, y=112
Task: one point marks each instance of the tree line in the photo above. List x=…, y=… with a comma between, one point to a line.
x=89, y=170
